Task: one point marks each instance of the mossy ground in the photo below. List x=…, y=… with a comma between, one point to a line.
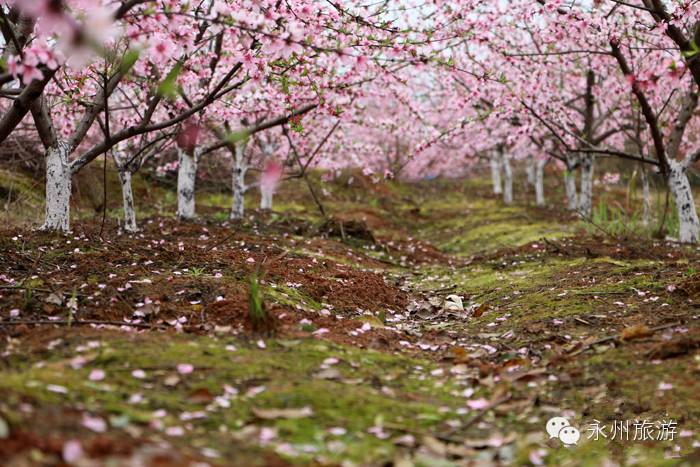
x=414, y=389
x=368, y=389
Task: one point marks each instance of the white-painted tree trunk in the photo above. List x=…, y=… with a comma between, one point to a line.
x=678, y=183
x=570, y=187
x=58, y=189
x=496, y=173
x=539, y=182
x=266, y=199
x=585, y=201
x=570, y=182
x=128, y=200
x=530, y=169
x=240, y=168
x=507, y=181
x=186, y=183
x=646, y=199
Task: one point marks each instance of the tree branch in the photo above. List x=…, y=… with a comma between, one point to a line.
x=144, y=127
x=647, y=111
x=21, y=105
x=622, y=155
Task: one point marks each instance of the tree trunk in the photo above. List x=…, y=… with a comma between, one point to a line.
x=240, y=167
x=646, y=199
x=585, y=202
x=496, y=173
x=128, y=199
x=58, y=189
x=530, y=170
x=688, y=224
x=186, y=181
x=539, y=182
x=570, y=182
x=570, y=186
x=266, y=199
x=508, y=181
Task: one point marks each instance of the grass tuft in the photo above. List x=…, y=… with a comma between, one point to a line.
x=262, y=322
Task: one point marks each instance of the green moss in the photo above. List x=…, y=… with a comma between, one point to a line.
x=623, y=385
x=593, y=454
x=401, y=389
x=464, y=225
x=633, y=377
x=531, y=288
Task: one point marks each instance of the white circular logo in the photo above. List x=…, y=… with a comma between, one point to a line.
x=569, y=435
x=555, y=424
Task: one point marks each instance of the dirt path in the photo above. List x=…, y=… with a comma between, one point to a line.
x=142, y=348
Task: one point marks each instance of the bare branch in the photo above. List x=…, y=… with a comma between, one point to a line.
x=647, y=111
x=21, y=105
x=620, y=154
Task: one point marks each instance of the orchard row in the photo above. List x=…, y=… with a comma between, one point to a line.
x=406, y=88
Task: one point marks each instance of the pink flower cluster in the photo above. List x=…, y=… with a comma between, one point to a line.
x=27, y=68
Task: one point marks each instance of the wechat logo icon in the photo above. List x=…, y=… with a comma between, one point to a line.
x=559, y=427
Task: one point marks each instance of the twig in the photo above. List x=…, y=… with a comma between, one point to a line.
x=389, y=262
x=303, y=167
x=449, y=288
x=594, y=292
x=449, y=439
x=476, y=418
x=616, y=337
x=104, y=165
x=226, y=239
x=581, y=320
x=315, y=197
x=558, y=247
x=485, y=292
x=19, y=287
x=342, y=230
x=158, y=368
x=590, y=221
x=34, y=289
x=445, y=438
x=63, y=322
